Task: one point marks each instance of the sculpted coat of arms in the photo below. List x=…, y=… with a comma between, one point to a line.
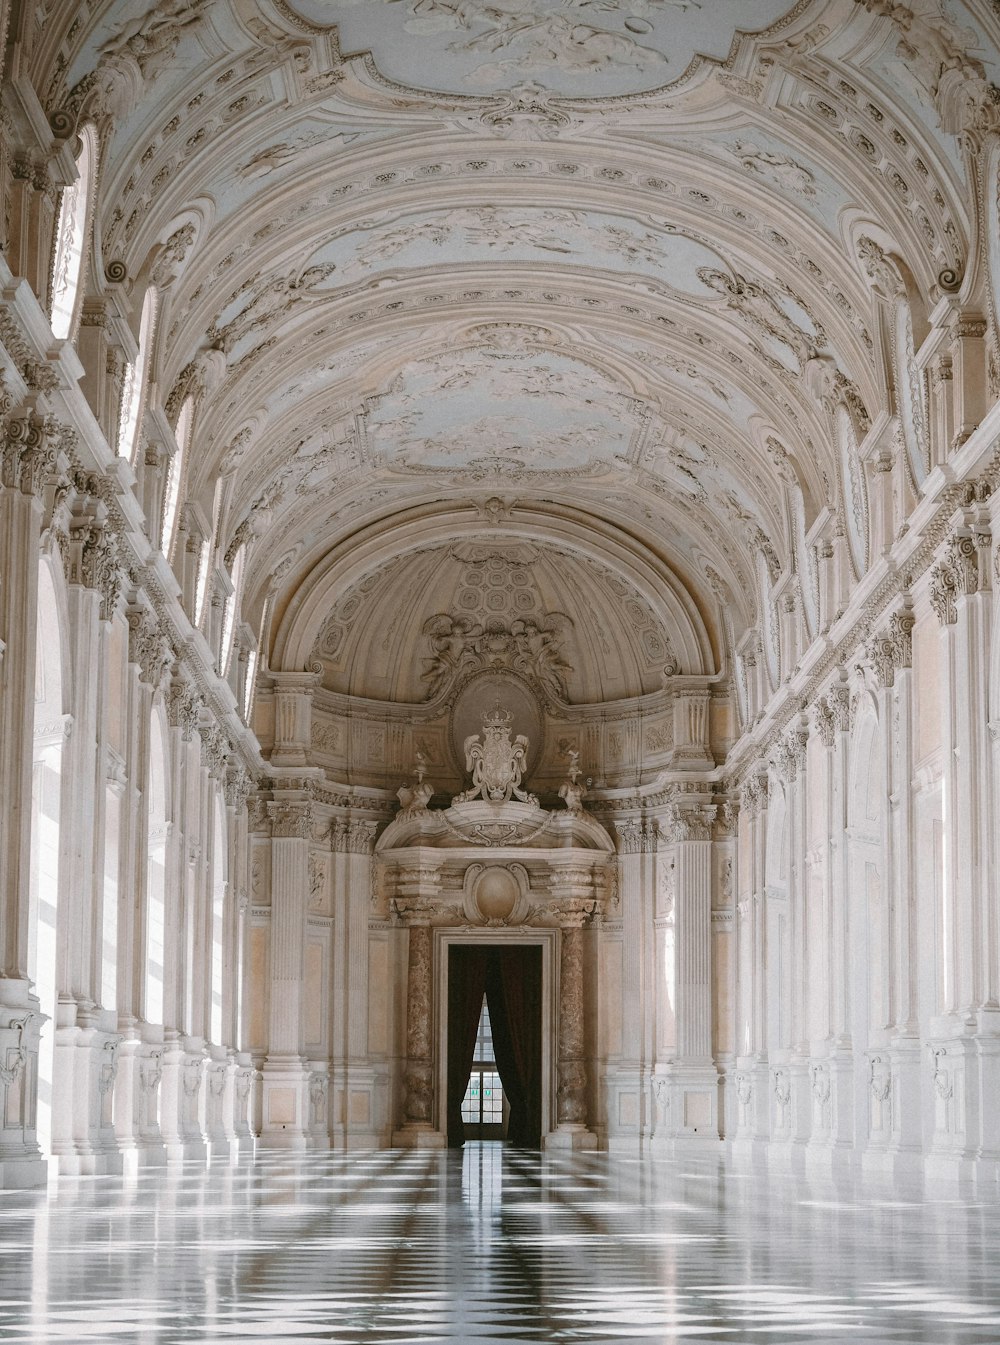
x=496, y=763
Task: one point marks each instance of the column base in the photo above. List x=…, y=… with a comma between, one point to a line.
x=23, y=1173
x=570, y=1135
x=689, y=1097
x=418, y=1136
x=285, y=1122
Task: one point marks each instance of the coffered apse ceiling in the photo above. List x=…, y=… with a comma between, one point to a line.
x=611, y=278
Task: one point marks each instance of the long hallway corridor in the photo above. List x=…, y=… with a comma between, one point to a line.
x=493, y=1245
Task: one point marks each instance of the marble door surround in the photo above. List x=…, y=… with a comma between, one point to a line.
x=450, y=882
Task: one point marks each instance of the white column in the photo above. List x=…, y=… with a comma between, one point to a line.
x=628, y=1083
x=899, y=1131
x=752, y=1079
x=24, y=466
x=832, y=1067
x=691, y=1093
x=86, y=1035
x=236, y=938
x=794, y=1077
x=965, y=1038
x=286, y=1076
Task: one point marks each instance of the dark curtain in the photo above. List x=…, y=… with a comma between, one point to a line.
x=514, y=997
x=466, y=986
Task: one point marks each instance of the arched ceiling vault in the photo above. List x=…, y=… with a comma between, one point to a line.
x=616, y=266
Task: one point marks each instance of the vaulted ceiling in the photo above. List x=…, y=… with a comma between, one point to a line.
x=547, y=270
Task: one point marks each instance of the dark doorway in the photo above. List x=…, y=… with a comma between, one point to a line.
x=509, y=978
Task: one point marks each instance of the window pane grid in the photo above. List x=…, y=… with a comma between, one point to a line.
x=483, y=1101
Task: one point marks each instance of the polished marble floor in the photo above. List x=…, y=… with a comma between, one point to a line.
x=493, y=1245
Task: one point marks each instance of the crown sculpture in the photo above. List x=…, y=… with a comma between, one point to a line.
x=496, y=763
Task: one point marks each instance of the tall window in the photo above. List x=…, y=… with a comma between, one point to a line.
x=201, y=587
x=175, y=469
x=232, y=607
x=67, y=264
x=482, y=1106
x=135, y=380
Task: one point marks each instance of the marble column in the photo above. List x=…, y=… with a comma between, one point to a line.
x=573, y=908
x=25, y=461
x=182, y=720
x=629, y=1086
x=964, y=1037
x=148, y=656
x=832, y=1060
x=752, y=1080
x=793, y=765
x=416, y=907
x=692, y=1079
x=81, y=1140
x=899, y=1132
x=356, y=1088
x=286, y=1074
x=237, y=791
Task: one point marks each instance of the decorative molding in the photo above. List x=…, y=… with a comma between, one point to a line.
x=892, y=649
x=291, y=821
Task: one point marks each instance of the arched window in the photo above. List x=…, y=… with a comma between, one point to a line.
x=135, y=380
x=175, y=469
x=71, y=234
x=201, y=586
x=232, y=607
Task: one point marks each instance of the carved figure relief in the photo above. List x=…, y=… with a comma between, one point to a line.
x=460, y=645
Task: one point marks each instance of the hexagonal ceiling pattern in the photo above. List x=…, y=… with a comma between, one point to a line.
x=613, y=264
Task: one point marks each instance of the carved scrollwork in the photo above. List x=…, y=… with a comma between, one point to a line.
x=689, y=822
x=892, y=649
x=291, y=821
x=352, y=836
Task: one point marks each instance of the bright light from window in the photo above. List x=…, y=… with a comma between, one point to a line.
x=201, y=591
x=248, y=689
x=135, y=381
x=232, y=606
x=171, y=495
x=68, y=261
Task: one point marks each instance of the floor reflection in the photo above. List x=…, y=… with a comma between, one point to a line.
x=492, y=1244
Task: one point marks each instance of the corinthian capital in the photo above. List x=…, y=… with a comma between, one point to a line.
x=291, y=821
x=689, y=822
x=892, y=648
x=27, y=454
